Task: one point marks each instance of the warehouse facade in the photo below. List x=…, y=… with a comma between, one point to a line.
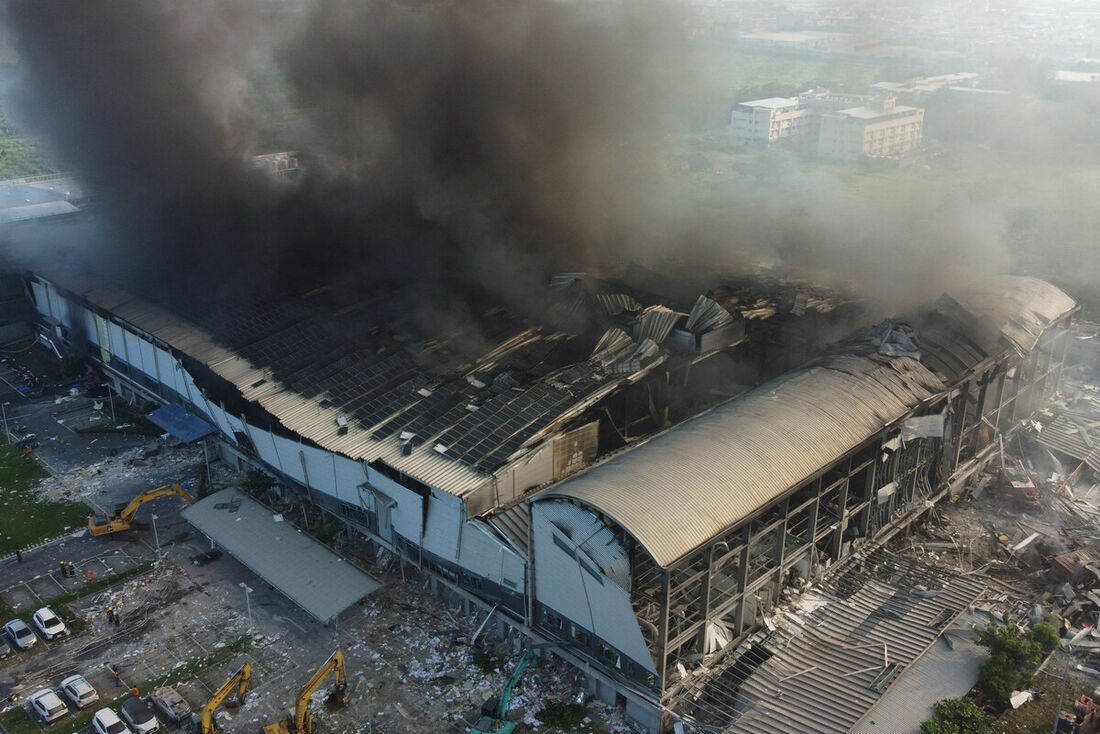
x=653, y=565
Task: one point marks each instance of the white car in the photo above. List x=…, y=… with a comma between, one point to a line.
x=49, y=624
x=47, y=706
x=79, y=691
x=106, y=721
x=20, y=634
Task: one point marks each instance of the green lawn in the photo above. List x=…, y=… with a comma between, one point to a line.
x=24, y=518
x=21, y=155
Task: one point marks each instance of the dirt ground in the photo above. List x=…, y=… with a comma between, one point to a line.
x=408, y=668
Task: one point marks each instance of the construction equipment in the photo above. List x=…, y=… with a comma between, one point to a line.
x=121, y=518
x=494, y=712
x=240, y=681
x=302, y=722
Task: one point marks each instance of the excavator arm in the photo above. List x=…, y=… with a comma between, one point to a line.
x=240, y=681
x=303, y=720
x=114, y=523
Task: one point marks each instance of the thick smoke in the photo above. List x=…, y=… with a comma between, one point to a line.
x=453, y=147
x=477, y=143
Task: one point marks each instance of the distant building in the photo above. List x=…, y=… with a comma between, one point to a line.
x=883, y=128
x=837, y=125
x=916, y=89
x=762, y=122
x=1063, y=75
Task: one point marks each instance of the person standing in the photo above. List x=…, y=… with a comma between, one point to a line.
x=19, y=555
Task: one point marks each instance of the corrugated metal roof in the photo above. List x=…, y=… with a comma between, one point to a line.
x=944, y=671
x=1073, y=434
x=514, y=523
x=819, y=675
x=1020, y=306
x=682, y=487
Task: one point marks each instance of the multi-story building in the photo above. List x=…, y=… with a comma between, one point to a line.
x=763, y=122
x=880, y=129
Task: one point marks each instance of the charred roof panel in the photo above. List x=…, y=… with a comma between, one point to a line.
x=1020, y=307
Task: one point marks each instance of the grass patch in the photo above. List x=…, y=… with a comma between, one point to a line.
x=25, y=519
x=564, y=716
x=21, y=155
x=1038, y=715
x=127, y=425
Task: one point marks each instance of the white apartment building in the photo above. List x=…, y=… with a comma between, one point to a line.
x=883, y=128
x=762, y=122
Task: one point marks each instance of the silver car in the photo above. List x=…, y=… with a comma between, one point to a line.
x=47, y=706
x=20, y=634
x=79, y=691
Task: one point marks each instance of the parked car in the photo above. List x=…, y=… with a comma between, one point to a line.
x=139, y=716
x=79, y=691
x=171, y=705
x=106, y=721
x=47, y=706
x=49, y=624
x=20, y=634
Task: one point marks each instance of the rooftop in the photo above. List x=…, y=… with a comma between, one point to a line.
x=870, y=113
x=773, y=103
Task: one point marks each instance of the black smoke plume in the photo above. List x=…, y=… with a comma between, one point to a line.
x=474, y=144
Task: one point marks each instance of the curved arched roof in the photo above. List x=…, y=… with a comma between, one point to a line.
x=683, y=487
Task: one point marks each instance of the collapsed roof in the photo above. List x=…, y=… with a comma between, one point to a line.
x=686, y=485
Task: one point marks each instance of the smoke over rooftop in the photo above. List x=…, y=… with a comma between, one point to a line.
x=455, y=146
x=470, y=142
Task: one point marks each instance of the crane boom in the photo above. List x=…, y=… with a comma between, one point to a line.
x=115, y=522
x=303, y=719
x=240, y=681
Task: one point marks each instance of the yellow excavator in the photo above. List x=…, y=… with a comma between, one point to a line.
x=240, y=681
x=121, y=518
x=302, y=722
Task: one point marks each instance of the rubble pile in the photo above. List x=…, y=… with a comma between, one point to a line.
x=142, y=465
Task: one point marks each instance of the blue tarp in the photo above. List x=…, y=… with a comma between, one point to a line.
x=181, y=424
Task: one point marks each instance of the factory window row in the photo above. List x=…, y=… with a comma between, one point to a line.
x=581, y=640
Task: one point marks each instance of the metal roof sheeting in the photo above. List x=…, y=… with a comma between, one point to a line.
x=1074, y=434
x=682, y=487
x=677, y=490
x=308, y=573
x=820, y=675
x=1020, y=306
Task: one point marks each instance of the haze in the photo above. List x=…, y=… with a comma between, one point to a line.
x=480, y=146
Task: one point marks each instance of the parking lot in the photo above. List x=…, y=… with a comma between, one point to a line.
x=409, y=669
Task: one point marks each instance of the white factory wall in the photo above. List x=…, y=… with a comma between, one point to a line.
x=408, y=517
x=483, y=553
x=447, y=534
x=595, y=602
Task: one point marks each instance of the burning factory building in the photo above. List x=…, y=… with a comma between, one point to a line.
x=635, y=465
x=639, y=482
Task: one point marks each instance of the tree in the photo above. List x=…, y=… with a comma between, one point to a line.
x=1013, y=656
x=958, y=716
